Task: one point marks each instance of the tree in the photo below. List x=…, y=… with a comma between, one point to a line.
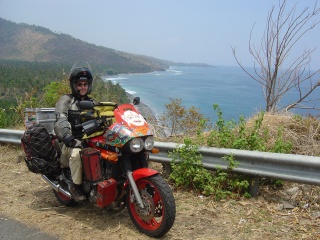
x=181, y=121
x=277, y=74
x=54, y=90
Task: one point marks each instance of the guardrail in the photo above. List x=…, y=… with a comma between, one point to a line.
x=10, y=136
x=295, y=168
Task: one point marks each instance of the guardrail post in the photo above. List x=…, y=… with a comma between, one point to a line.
x=254, y=186
x=167, y=169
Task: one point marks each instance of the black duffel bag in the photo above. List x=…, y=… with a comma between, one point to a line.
x=41, y=155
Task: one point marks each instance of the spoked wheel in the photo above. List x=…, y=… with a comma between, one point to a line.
x=158, y=214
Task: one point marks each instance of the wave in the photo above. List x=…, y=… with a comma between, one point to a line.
x=175, y=72
x=130, y=92
x=115, y=78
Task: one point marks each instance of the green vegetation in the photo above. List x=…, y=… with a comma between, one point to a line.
x=109, y=92
x=22, y=85
x=242, y=136
x=187, y=168
x=179, y=121
x=39, y=84
x=25, y=77
x=188, y=172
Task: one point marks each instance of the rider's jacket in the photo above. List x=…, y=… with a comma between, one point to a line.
x=68, y=117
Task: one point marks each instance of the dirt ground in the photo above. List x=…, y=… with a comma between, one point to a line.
x=292, y=212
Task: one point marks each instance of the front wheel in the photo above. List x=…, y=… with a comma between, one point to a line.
x=158, y=214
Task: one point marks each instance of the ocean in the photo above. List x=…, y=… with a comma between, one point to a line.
x=230, y=87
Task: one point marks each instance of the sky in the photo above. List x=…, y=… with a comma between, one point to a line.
x=189, y=31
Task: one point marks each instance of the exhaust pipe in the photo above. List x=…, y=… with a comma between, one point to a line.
x=56, y=187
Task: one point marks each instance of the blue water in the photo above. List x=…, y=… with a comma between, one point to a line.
x=229, y=87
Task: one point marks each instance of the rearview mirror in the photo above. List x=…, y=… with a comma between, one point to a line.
x=136, y=101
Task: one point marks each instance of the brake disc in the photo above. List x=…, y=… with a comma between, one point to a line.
x=146, y=213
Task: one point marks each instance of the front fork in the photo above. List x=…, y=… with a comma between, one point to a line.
x=134, y=189
x=127, y=165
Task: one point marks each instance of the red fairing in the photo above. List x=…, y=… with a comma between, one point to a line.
x=92, y=142
x=129, y=116
x=143, y=172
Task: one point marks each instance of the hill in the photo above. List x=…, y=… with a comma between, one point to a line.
x=33, y=43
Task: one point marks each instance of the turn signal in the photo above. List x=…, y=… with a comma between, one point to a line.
x=109, y=156
x=113, y=157
x=155, y=150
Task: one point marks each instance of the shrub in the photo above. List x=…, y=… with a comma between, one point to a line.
x=241, y=135
x=188, y=172
x=180, y=121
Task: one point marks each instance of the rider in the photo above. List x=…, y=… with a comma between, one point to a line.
x=68, y=116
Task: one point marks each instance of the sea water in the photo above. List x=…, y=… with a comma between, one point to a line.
x=236, y=93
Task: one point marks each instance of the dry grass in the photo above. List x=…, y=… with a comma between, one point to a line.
x=304, y=133
x=25, y=197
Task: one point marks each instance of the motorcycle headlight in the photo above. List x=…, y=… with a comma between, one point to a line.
x=149, y=142
x=136, y=145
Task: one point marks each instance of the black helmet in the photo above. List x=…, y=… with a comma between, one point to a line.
x=80, y=73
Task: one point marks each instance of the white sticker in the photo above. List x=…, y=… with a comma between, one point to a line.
x=133, y=118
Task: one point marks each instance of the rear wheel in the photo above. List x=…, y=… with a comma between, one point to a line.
x=64, y=200
x=158, y=214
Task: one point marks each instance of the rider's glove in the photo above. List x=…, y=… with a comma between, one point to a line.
x=70, y=141
x=76, y=143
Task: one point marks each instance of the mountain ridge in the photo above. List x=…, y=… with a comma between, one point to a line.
x=25, y=42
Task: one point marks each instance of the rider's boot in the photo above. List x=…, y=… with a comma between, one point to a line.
x=77, y=193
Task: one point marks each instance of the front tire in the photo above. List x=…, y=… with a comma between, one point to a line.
x=158, y=214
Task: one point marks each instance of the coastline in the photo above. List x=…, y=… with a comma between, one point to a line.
x=151, y=117
x=145, y=110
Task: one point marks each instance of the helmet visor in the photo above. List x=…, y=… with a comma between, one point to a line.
x=80, y=64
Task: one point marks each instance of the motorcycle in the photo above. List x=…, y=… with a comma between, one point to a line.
x=117, y=142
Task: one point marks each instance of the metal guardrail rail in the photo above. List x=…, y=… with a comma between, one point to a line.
x=295, y=168
x=10, y=136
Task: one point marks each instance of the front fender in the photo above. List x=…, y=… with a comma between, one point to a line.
x=143, y=172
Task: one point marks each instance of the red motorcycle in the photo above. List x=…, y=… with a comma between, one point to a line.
x=117, y=142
